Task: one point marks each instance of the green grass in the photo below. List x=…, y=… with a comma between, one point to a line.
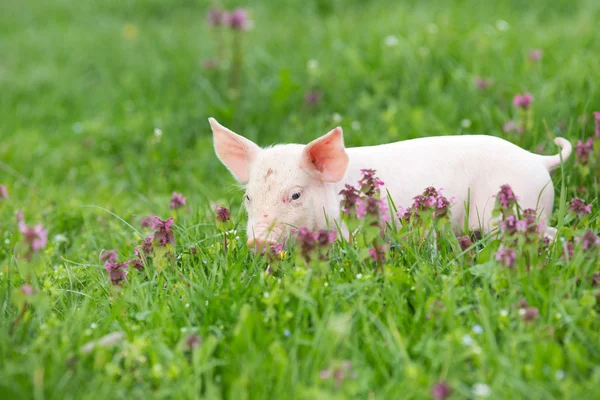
x=79, y=105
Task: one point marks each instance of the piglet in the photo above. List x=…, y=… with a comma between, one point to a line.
x=293, y=185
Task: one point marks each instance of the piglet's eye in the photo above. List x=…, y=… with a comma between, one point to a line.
x=296, y=196
x=247, y=198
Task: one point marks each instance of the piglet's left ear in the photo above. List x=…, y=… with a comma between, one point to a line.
x=326, y=156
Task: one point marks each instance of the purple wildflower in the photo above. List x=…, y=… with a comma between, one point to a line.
x=535, y=55
x=483, y=83
x=584, y=149
x=377, y=254
x=27, y=290
x=512, y=127
x=589, y=240
x=579, y=207
x=19, y=215
x=465, y=242
x=507, y=257
x=210, y=63
x=521, y=226
x=312, y=97
x=238, y=20
x=164, y=233
x=135, y=263
x=523, y=101
x=177, y=201
x=441, y=391
x=36, y=237
x=223, y=214
x=506, y=197
x=145, y=248
x=529, y=314
x=192, y=341
x=307, y=241
x=274, y=253
x=350, y=197
x=216, y=17
x=3, y=192
x=597, y=124
x=109, y=256
x=147, y=222
x=326, y=237
x=117, y=272
x=369, y=183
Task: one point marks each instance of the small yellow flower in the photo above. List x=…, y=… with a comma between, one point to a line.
x=130, y=31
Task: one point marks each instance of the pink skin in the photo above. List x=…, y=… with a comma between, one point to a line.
x=293, y=185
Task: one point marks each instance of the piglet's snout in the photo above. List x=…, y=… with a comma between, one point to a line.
x=259, y=244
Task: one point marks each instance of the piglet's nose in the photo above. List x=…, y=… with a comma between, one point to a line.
x=259, y=244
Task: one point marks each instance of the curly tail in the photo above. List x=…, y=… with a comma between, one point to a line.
x=551, y=162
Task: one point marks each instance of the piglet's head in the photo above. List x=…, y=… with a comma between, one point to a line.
x=287, y=186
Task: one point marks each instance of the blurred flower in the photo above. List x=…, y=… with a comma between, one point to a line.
x=312, y=97
x=355, y=125
x=369, y=183
x=35, y=237
x=146, y=222
x=19, y=215
x=130, y=31
x=481, y=390
x=465, y=242
x=477, y=329
x=145, y=248
x=529, y=314
x=326, y=237
x=307, y=241
x=239, y=20
x=584, y=149
x=578, y=206
x=3, y=192
x=192, y=341
x=117, y=272
x=466, y=123
x=441, y=390
x=312, y=66
x=512, y=127
x=223, y=214
x=27, y=290
x=377, y=254
x=164, y=234
x=523, y=101
x=535, y=55
x=502, y=25
x=350, y=197
x=391, y=41
x=483, y=83
x=467, y=340
x=589, y=240
x=507, y=257
x=109, y=256
x=177, y=201
x=216, y=16
x=337, y=118
x=210, y=63
x=135, y=263
x=506, y=197
x=597, y=124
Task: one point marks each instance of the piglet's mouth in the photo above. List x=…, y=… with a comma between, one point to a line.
x=265, y=237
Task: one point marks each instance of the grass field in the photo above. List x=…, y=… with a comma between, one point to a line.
x=103, y=115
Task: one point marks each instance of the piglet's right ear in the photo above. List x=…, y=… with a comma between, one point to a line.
x=235, y=151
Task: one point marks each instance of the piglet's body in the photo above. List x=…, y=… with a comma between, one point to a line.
x=293, y=185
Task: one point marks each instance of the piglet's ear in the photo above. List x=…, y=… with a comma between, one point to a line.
x=234, y=151
x=326, y=156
